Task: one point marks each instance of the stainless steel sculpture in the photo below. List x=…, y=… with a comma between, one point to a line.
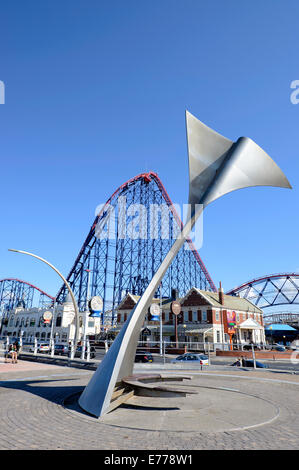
x=216, y=166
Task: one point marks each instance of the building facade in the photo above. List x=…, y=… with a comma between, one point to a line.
x=29, y=324
x=205, y=317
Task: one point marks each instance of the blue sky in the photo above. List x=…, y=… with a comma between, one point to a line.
x=96, y=93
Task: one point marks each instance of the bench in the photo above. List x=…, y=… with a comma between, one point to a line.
x=147, y=385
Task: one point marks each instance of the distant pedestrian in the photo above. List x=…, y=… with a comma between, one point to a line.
x=18, y=347
x=14, y=354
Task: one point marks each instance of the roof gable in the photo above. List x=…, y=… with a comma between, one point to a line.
x=195, y=297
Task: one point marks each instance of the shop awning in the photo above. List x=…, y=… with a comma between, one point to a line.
x=199, y=331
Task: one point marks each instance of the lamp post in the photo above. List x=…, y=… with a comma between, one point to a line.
x=69, y=289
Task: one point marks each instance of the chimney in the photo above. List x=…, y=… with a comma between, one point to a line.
x=221, y=295
x=174, y=294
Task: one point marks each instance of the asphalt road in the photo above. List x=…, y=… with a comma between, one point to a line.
x=225, y=361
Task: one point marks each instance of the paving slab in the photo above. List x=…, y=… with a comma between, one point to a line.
x=232, y=410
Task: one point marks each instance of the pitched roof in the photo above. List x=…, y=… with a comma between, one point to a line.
x=230, y=302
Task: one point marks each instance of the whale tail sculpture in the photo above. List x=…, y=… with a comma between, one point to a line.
x=217, y=166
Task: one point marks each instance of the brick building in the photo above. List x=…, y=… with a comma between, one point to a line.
x=205, y=316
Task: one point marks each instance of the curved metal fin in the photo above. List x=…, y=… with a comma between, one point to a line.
x=218, y=166
x=207, y=150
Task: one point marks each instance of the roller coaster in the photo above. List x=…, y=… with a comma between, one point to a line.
x=270, y=290
x=18, y=293
x=111, y=264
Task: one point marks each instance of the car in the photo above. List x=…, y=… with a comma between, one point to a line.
x=192, y=357
x=61, y=349
x=279, y=348
x=142, y=356
x=250, y=363
x=78, y=352
x=41, y=348
x=248, y=347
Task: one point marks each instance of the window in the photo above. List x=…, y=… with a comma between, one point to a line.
x=91, y=324
x=217, y=315
x=218, y=336
x=186, y=316
x=204, y=315
x=11, y=320
x=194, y=316
x=32, y=321
x=238, y=317
x=58, y=321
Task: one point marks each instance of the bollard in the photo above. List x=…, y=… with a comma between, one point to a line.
x=72, y=350
x=35, y=346
x=83, y=348
x=52, y=347
x=88, y=351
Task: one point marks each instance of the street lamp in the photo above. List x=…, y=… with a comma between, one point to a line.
x=69, y=289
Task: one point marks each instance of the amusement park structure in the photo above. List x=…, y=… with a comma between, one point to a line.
x=17, y=293
x=110, y=265
x=270, y=290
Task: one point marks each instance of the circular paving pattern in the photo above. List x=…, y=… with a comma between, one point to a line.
x=244, y=411
x=214, y=409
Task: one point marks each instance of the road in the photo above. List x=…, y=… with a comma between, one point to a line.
x=276, y=364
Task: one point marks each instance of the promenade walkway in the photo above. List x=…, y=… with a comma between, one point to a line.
x=233, y=409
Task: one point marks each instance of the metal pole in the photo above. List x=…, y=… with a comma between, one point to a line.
x=88, y=350
x=253, y=355
x=52, y=330
x=86, y=317
x=161, y=326
x=67, y=285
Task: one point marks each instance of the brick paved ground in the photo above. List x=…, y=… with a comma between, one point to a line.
x=31, y=409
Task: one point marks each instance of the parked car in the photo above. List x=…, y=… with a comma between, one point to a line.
x=142, y=356
x=61, y=349
x=78, y=352
x=279, y=348
x=248, y=347
x=250, y=363
x=41, y=348
x=202, y=359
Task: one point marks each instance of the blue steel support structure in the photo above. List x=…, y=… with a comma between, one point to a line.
x=126, y=262
x=16, y=292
